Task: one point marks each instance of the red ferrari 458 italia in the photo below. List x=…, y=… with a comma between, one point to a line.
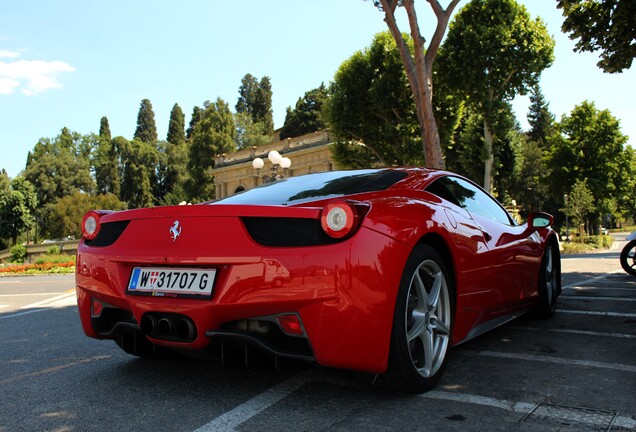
x=379, y=271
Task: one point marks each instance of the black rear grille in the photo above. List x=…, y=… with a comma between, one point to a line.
x=108, y=233
x=286, y=231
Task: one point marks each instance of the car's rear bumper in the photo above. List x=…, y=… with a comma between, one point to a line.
x=343, y=293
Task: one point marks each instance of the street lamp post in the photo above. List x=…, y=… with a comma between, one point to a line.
x=277, y=161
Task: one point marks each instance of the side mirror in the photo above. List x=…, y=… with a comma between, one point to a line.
x=540, y=220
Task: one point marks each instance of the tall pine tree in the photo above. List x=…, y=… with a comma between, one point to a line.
x=255, y=98
x=173, y=157
x=146, y=127
x=540, y=118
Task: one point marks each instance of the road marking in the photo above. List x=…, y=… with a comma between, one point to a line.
x=235, y=417
x=591, y=280
x=574, y=297
x=581, y=332
x=598, y=313
x=600, y=288
x=3, y=306
x=54, y=369
x=28, y=294
x=548, y=359
x=556, y=413
x=66, y=299
x=53, y=301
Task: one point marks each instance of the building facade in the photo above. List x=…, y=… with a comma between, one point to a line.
x=308, y=153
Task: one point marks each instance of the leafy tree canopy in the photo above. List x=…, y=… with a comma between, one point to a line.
x=248, y=133
x=139, y=161
x=607, y=26
x=591, y=148
x=60, y=167
x=66, y=214
x=306, y=117
x=494, y=51
x=213, y=134
x=371, y=108
x=17, y=208
x=255, y=98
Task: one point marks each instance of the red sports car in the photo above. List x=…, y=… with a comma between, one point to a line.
x=379, y=271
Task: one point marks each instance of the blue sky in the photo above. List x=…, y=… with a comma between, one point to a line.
x=70, y=62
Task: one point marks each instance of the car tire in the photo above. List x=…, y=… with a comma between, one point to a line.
x=549, y=278
x=422, y=325
x=628, y=255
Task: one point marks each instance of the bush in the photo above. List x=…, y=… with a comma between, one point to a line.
x=18, y=253
x=599, y=242
x=55, y=259
x=53, y=250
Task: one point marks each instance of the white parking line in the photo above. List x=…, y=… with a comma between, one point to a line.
x=29, y=294
x=516, y=407
x=598, y=313
x=591, y=280
x=231, y=420
x=550, y=359
x=63, y=300
x=235, y=417
x=575, y=297
x=580, y=332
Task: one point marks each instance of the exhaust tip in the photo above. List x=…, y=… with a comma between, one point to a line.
x=164, y=327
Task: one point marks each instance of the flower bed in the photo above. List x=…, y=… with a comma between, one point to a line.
x=47, y=267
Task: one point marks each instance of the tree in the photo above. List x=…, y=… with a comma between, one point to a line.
x=530, y=188
x=59, y=167
x=494, y=51
x=248, y=133
x=197, y=112
x=5, y=181
x=580, y=201
x=17, y=208
x=602, y=25
x=468, y=146
x=66, y=214
x=306, y=117
x=139, y=160
x=105, y=160
x=371, y=109
x=541, y=120
x=176, y=127
x=590, y=148
x=146, y=127
x=418, y=65
x=213, y=134
x=104, y=128
x=173, y=156
x=255, y=98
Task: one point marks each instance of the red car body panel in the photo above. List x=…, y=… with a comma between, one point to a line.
x=343, y=292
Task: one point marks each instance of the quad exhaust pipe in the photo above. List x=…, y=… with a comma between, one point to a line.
x=170, y=327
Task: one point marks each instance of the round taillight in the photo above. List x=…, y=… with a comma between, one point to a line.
x=338, y=219
x=90, y=225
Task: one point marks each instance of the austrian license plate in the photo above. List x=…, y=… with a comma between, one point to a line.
x=172, y=282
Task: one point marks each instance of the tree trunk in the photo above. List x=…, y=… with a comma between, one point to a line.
x=490, y=158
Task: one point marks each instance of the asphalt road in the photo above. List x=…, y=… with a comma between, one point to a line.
x=574, y=372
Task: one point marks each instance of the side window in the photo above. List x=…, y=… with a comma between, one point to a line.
x=470, y=197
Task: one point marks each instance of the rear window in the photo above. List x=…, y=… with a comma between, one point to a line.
x=311, y=187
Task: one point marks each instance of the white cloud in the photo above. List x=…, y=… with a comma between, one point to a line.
x=8, y=54
x=30, y=76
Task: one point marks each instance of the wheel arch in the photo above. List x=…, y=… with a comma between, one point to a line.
x=442, y=247
x=554, y=242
